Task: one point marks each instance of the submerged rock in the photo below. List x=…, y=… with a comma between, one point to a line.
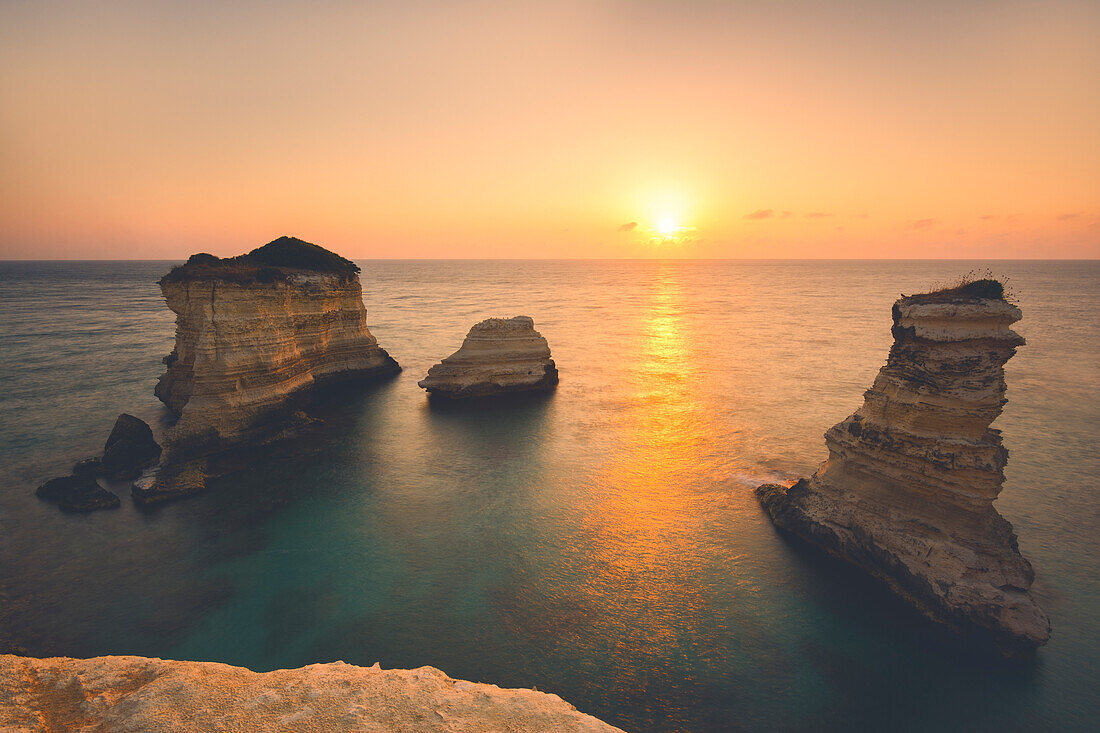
x=173, y=480
x=137, y=693
x=907, y=491
x=255, y=334
x=130, y=448
x=499, y=355
x=77, y=493
x=88, y=467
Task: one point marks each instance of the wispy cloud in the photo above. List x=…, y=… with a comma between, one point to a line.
x=761, y=214
x=1067, y=217
x=817, y=215
x=920, y=223
x=629, y=226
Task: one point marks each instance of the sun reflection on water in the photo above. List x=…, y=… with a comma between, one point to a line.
x=645, y=539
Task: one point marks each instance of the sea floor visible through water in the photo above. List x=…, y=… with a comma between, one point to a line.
x=601, y=543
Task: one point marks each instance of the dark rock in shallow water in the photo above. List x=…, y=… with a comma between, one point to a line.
x=77, y=493
x=171, y=481
x=88, y=467
x=130, y=448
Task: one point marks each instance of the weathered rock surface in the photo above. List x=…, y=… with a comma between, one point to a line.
x=907, y=491
x=130, y=448
x=254, y=335
x=140, y=694
x=77, y=493
x=499, y=356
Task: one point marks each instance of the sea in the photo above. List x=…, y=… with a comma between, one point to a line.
x=601, y=543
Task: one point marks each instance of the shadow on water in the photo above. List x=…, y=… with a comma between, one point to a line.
x=864, y=628
x=489, y=404
x=412, y=514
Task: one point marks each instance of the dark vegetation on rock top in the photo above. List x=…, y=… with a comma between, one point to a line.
x=985, y=288
x=275, y=261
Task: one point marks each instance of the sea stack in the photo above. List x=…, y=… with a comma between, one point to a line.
x=499, y=356
x=907, y=491
x=254, y=335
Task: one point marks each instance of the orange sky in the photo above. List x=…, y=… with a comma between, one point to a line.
x=152, y=130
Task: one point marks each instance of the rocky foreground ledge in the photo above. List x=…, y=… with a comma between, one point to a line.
x=907, y=491
x=142, y=694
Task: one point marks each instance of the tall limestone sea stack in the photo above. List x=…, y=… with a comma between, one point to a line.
x=254, y=335
x=499, y=356
x=907, y=491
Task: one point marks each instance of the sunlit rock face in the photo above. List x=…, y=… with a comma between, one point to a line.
x=907, y=491
x=254, y=334
x=499, y=356
x=140, y=694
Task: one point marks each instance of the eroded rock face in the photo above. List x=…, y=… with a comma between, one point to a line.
x=499, y=355
x=907, y=491
x=140, y=694
x=254, y=334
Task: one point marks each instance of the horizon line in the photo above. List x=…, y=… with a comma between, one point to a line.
x=619, y=259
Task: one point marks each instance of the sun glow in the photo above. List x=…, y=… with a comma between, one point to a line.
x=667, y=225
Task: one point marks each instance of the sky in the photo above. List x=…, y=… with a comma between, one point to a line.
x=634, y=128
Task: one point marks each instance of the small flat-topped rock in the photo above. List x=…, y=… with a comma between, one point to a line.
x=499, y=356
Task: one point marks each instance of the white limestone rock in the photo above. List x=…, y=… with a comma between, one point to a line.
x=499, y=356
x=907, y=492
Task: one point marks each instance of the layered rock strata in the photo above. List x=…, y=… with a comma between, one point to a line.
x=499, y=356
x=136, y=693
x=254, y=335
x=907, y=491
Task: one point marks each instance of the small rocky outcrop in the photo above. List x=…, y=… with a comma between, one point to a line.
x=255, y=335
x=78, y=493
x=499, y=356
x=140, y=694
x=172, y=480
x=130, y=448
x=907, y=491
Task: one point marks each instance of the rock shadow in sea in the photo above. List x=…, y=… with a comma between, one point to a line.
x=490, y=403
x=844, y=591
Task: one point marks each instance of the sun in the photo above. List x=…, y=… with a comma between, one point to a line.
x=667, y=225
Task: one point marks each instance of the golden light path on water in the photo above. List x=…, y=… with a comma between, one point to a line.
x=644, y=549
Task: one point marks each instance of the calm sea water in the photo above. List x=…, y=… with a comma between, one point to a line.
x=603, y=543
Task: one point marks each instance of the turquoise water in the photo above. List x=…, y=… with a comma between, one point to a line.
x=602, y=543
